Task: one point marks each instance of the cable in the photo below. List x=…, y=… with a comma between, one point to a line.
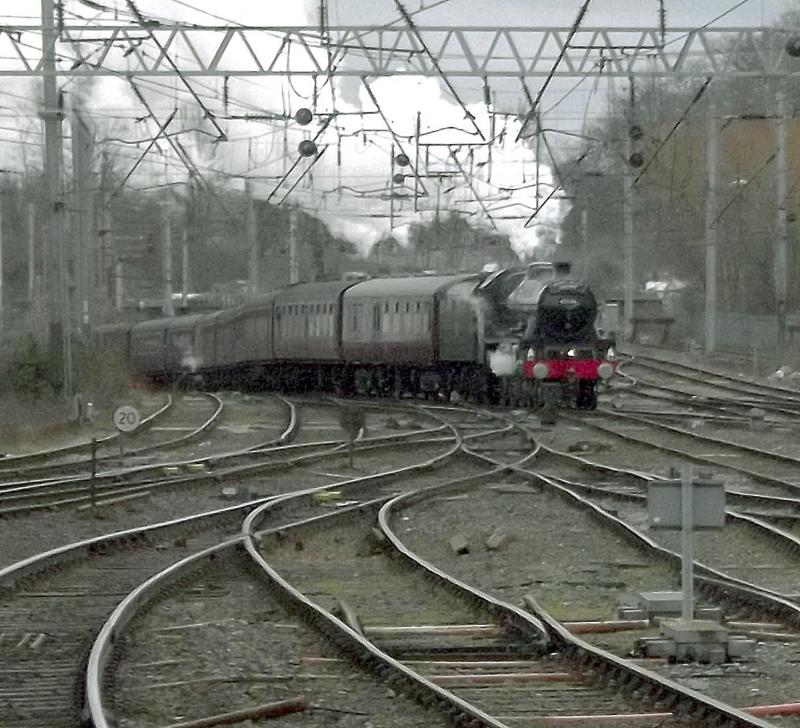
x=573, y=30
x=438, y=68
x=675, y=126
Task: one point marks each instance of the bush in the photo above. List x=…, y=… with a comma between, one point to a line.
x=100, y=373
x=32, y=372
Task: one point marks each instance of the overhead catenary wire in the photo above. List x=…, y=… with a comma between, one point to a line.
x=146, y=27
x=698, y=95
x=535, y=106
x=413, y=28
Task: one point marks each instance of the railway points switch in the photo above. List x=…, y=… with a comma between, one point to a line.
x=663, y=604
x=696, y=640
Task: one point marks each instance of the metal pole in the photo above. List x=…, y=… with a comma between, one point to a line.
x=2, y=312
x=781, y=227
x=538, y=121
x=293, y=269
x=54, y=258
x=391, y=188
x=687, y=544
x=252, y=239
x=31, y=252
x=185, y=266
x=627, y=220
x=118, y=284
x=416, y=162
x=166, y=234
x=82, y=250
x=93, y=482
x=712, y=155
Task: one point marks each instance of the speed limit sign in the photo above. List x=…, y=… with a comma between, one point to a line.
x=126, y=418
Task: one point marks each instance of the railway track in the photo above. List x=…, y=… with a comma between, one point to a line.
x=355, y=633
x=747, y=391
x=501, y=675
x=93, y=575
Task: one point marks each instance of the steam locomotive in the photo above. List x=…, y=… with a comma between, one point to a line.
x=522, y=336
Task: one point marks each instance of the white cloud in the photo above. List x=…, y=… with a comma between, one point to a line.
x=350, y=187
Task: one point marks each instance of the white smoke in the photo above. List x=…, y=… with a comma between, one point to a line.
x=350, y=188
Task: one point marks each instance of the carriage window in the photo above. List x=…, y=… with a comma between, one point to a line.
x=376, y=317
x=354, y=310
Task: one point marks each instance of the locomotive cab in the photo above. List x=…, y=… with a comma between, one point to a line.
x=564, y=356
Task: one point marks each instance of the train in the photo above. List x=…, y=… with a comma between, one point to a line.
x=521, y=336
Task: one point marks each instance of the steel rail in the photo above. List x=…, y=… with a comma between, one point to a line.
x=349, y=639
x=636, y=677
x=67, y=449
x=335, y=447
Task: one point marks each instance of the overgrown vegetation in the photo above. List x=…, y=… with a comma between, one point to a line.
x=32, y=373
x=670, y=120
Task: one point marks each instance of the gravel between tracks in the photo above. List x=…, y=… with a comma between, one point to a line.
x=245, y=650
x=578, y=570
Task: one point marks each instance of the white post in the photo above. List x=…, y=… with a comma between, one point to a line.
x=781, y=227
x=712, y=152
x=687, y=544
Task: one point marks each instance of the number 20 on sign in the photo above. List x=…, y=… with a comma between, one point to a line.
x=126, y=418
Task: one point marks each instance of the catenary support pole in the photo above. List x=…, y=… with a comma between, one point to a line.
x=781, y=226
x=185, y=266
x=166, y=237
x=2, y=309
x=83, y=253
x=119, y=290
x=712, y=155
x=55, y=268
x=31, y=252
x=252, y=239
x=294, y=273
x=627, y=221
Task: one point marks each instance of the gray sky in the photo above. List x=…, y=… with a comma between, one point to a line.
x=562, y=12
x=350, y=184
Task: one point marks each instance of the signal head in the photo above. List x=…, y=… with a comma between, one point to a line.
x=307, y=148
x=303, y=116
x=792, y=46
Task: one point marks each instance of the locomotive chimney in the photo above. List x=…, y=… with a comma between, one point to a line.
x=562, y=269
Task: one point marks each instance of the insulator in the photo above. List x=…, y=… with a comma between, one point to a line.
x=402, y=160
